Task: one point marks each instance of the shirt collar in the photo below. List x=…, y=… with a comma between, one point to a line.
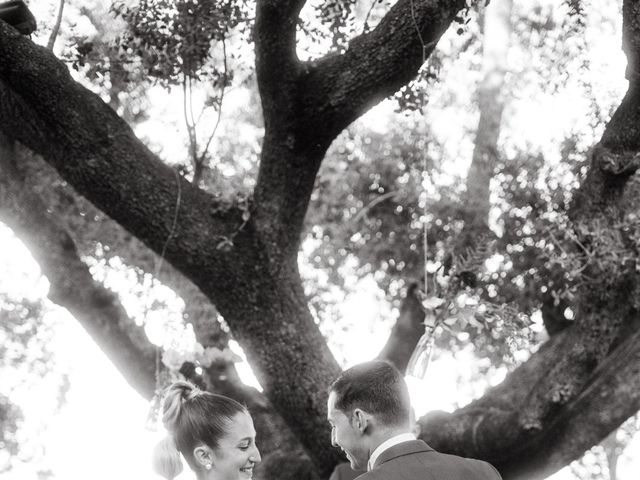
x=403, y=437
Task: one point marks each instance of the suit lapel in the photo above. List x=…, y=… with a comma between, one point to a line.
x=404, y=448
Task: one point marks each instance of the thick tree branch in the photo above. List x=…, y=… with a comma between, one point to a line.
x=339, y=88
x=71, y=285
x=43, y=108
x=277, y=64
x=306, y=106
x=282, y=191
x=89, y=227
x=476, y=430
x=56, y=28
x=599, y=207
x=488, y=428
x=611, y=397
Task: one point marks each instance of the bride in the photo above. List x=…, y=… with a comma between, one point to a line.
x=214, y=434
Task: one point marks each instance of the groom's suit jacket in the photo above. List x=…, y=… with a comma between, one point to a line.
x=415, y=460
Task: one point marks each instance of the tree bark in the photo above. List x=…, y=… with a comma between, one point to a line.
x=489, y=427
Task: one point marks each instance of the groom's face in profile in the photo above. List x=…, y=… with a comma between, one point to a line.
x=346, y=436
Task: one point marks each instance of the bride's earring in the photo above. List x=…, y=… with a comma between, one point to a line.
x=202, y=454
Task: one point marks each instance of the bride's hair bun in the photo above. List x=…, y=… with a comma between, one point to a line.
x=175, y=397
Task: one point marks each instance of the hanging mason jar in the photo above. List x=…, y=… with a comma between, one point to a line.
x=421, y=356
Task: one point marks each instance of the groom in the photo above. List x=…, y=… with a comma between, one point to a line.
x=369, y=414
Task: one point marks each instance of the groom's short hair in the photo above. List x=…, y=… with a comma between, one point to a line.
x=376, y=387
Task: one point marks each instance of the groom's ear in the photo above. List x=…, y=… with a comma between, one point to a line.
x=360, y=420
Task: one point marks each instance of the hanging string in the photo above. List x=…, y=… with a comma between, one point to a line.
x=421, y=356
x=173, y=225
x=425, y=244
x=155, y=404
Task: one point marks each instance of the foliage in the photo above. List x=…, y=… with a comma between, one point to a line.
x=24, y=340
x=10, y=418
x=373, y=215
x=600, y=252
x=456, y=302
x=25, y=358
x=338, y=18
x=174, y=39
x=601, y=461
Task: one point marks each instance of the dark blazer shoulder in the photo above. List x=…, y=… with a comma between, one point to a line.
x=416, y=460
x=402, y=449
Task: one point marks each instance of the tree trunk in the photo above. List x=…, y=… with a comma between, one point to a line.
x=495, y=45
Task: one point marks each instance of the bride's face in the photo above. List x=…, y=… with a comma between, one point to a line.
x=237, y=453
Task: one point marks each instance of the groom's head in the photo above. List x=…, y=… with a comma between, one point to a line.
x=368, y=403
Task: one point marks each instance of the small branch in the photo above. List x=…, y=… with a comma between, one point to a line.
x=338, y=89
x=56, y=27
x=365, y=28
x=220, y=102
x=372, y=204
x=188, y=121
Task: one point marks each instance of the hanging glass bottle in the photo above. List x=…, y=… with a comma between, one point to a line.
x=421, y=356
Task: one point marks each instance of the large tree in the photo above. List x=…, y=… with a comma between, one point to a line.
x=243, y=254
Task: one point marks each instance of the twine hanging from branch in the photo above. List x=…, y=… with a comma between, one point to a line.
x=156, y=401
x=421, y=356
